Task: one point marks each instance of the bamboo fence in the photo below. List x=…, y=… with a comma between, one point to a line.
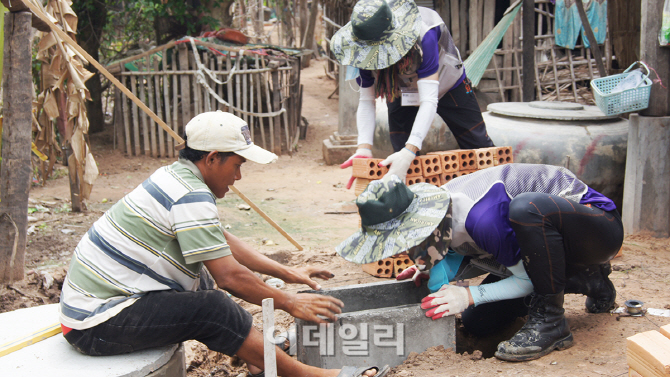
x=178, y=84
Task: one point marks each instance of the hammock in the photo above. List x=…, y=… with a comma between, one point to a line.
x=476, y=63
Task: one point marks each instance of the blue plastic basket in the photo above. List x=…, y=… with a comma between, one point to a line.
x=625, y=101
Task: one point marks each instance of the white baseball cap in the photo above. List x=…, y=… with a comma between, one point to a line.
x=224, y=132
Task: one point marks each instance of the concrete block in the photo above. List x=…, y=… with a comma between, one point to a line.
x=400, y=264
x=503, y=155
x=646, y=196
x=415, y=168
x=430, y=165
x=360, y=185
x=448, y=161
x=466, y=159
x=381, y=269
x=55, y=357
x=412, y=180
x=381, y=324
x=433, y=180
x=368, y=168
x=484, y=157
x=337, y=154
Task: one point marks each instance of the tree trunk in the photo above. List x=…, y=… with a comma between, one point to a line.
x=15, y=170
x=308, y=38
x=91, y=22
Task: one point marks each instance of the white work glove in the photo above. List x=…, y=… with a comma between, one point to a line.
x=417, y=275
x=449, y=300
x=360, y=153
x=400, y=162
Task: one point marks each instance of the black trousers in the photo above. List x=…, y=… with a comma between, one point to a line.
x=459, y=110
x=168, y=317
x=556, y=237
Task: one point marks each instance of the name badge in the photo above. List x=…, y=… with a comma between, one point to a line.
x=410, y=97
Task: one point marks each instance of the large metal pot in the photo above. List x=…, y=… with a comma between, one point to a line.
x=581, y=138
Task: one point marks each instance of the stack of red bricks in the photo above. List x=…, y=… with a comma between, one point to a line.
x=436, y=168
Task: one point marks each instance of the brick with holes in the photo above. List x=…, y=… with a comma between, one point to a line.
x=503, y=155
x=430, y=165
x=484, y=157
x=448, y=161
x=381, y=269
x=368, y=168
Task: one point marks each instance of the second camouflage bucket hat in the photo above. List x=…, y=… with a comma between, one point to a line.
x=394, y=218
x=379, y=34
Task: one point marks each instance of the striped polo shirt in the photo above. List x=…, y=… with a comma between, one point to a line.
x=153, y=239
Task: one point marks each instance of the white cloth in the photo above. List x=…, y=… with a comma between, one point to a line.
x=365, y=116
x=428, y=91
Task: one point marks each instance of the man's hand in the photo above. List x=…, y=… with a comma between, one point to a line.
x=400, y=162
x=307, y=306
x=449, y=300
x=360, y=153
x=417, y=275
x=304, y=275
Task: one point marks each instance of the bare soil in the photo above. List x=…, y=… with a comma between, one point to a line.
x=297, y=192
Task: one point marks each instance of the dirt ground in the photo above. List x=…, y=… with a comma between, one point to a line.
x=303, y=194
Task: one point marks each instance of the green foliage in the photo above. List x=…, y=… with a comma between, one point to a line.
x=132, y=24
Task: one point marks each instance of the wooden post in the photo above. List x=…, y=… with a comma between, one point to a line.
x=15, y=170
x=276, y=105
x=528, y=20
x=269, y=348
x=656, y=57
x=592, y=39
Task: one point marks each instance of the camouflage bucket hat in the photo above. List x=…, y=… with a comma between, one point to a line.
x=394, y=218
x=379, y=34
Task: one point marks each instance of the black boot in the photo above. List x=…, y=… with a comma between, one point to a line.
x=595, y=284
x=546, y=330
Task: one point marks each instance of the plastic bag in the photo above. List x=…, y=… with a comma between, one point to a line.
x=631, y=81
x=664, y=34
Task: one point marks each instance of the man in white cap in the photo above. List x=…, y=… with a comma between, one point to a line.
x=136, y=279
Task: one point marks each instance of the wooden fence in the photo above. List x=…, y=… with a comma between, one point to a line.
x=177, y=84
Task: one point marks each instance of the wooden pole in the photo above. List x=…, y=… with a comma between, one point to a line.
x=528, y=20
x=266, y=217
x=592, y=39
x=656, y=57
x=15, y=170
x=269, y=348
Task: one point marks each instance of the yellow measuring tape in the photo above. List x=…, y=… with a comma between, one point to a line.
x=33, y=338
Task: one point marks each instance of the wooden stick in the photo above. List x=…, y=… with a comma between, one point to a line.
x=33, y=338
x=266, y=217
x=269, y=348
x=159, y=109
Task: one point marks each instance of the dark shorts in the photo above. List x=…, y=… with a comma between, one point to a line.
x=168, y=317
x=459, y=110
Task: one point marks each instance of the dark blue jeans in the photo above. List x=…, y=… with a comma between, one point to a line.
x=556, y=236
x=459, y=110
x=168, y=317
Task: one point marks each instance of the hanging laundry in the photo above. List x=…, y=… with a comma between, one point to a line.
x=568, y=24
x=596, y=13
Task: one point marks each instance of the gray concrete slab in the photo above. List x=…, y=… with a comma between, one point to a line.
x=55, y=357
x=646, y=203
x=381, y=323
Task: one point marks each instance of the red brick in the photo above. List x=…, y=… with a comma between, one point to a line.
x=430, y=165
x=381, y=269
x=484, y=157
x=368, y=168
x=503, y=156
